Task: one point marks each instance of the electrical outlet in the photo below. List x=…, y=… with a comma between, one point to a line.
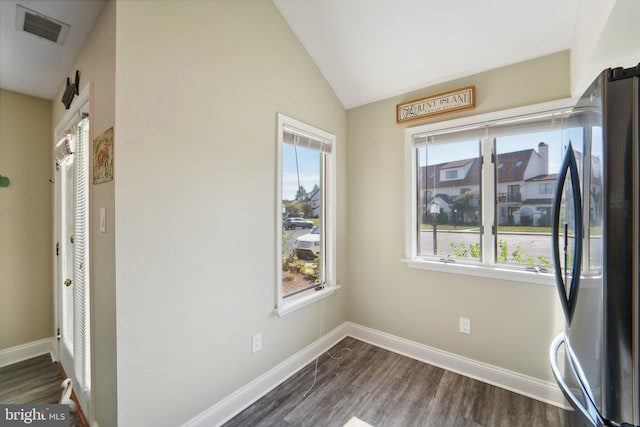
x=256, y=342
x=465, y=325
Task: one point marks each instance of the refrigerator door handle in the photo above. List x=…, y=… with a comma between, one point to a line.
x=592, y=419
x=568, y=296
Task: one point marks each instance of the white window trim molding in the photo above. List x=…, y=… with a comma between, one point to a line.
x=296, y=302
x=482, y=269
x=284, y=306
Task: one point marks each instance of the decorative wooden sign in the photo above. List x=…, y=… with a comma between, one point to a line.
x=447, y=102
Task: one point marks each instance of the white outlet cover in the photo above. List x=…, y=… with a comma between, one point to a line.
x=103, y=220
x=256, y=343
x=465, y=325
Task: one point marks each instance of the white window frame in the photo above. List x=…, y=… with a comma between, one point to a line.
x=284, y=306
x=485, y=268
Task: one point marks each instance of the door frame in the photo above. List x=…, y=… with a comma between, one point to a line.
x=83, y=103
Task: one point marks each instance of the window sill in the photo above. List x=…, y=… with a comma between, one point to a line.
x=296, y=302
x=492, y=272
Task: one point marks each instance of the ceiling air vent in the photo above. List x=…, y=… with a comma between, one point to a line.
x=40, y=25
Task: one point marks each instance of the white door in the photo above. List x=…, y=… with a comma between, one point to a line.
x=72, y=267
x=65, y=259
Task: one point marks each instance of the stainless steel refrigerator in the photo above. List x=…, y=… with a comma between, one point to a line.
x=596, y=245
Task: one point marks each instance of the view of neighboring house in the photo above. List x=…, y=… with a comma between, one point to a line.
x=524, y=192
x=313, y=198
x=305, y=204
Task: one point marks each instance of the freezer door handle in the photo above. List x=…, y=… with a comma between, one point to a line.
x=590, y=418
x=568, y=295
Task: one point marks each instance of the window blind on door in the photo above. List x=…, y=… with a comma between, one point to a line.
x=81, y=257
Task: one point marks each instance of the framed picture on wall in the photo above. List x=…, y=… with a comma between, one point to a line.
x=103, y=157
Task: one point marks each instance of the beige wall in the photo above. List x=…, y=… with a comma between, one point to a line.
x=96, y=63
x=605, y=36
x=198, y=88
x=512, y=323
x=26, y=307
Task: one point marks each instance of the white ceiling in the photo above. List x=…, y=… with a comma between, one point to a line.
x=374, y=49
x=367, y=49
x=39, y=67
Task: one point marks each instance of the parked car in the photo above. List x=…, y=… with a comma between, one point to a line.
x=295, y=222
x=307, y=246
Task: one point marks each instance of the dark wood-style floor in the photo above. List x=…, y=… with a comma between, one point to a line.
x=34, y=381
x=383, y=389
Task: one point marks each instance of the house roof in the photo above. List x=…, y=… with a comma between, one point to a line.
x=308, y=196
x=456, y=164
x=312, y=193
x=471, y=178
x=550, y=177
x=513, y=165
x=444, y=197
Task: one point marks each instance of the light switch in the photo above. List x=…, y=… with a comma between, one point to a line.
x=103, y=220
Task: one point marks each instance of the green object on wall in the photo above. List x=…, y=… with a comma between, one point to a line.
x=4, y=181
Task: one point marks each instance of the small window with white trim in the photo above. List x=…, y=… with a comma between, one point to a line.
x=305, y=214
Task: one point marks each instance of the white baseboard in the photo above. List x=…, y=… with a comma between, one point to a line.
x=25, y=351
x=534, y=388
x=233, y=404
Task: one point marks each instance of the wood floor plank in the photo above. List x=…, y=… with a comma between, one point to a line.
x=31, y=381
x=400, y=396
x=34, y=381
x=385, y=389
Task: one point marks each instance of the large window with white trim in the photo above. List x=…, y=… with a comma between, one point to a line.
x=305, y=214
x=480, y=190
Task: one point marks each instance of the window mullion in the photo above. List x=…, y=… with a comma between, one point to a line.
x=488, y=200
x=412, y=198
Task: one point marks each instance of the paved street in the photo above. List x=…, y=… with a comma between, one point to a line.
x=534, y=245
x=531, y=244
